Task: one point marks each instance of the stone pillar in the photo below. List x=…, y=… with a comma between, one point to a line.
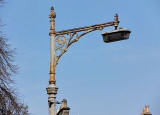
x=52, y=91
x=64, y=110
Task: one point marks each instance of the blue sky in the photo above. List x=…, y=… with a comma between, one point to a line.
x=96, y=78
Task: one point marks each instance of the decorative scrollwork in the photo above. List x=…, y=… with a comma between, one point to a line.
x=63, y=42
x=60, y=42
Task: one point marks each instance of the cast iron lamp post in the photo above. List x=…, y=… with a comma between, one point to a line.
x=60, y=41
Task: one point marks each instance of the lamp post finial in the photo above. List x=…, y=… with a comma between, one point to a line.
x=116, y=21
x=52, y=14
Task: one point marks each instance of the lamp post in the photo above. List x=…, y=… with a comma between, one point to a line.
x=60, y=41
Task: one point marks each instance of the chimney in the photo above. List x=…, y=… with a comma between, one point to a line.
x=145, y=110
x=64, y=110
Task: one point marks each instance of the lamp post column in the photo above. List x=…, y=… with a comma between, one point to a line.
x=52, y=88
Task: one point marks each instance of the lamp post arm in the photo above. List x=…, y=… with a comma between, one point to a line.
x=85, y=28
x=78, y=37
x=64, y=38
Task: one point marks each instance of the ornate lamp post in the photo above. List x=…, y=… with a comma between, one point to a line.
x=60, y=41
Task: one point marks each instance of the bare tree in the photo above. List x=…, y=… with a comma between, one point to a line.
x=6, y=59
x=9, y=104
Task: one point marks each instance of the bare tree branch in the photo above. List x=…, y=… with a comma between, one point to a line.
x=9, y=104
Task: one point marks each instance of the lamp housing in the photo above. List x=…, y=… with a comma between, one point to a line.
x=116, y=35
